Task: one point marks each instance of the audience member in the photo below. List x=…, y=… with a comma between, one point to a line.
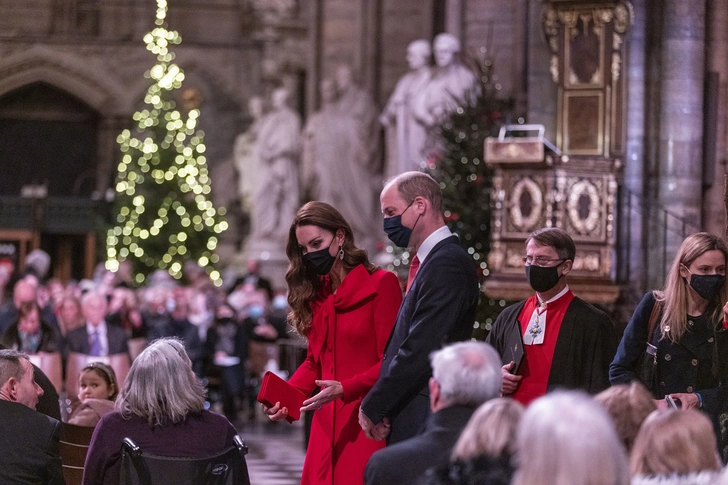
x=70, y=316
x=161, y=407
x=28, y=439
x=25, y=290
x=628, y=405
x=179, y=326
x=97, y=390
x=124, y=312
x=29, y=334
x=485, y=448
x=96, y=337
x=48, y=402
x=566, y=438
x=464, y=375
x=37, y=263
x=567, y=342
x=675, y=447
x=687, y=332
x=227, y=350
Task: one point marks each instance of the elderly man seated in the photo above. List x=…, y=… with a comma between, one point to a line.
x=464, y=375
x=28, y=439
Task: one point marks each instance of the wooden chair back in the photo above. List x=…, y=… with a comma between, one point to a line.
x=51, y=365
x=76, y=362
x=73, y=448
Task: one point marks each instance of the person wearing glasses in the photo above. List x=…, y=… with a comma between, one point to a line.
x=567, y=343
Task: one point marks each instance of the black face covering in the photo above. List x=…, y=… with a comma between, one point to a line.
x=542, y=278
x=707, y=286
x=320, y=261
x=397, y=232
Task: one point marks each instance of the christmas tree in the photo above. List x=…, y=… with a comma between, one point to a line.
x=457, y=163
x=162, y=212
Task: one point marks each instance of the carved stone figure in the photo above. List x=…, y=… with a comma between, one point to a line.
x=451, y=83
x=336, y=166
x=405, y=136
x=276, y=192
x=358, y=104
x=246, y=154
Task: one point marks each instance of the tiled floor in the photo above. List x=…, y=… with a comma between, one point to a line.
x=276, y=452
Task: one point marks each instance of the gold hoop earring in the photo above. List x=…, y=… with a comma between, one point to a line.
x=341, y=253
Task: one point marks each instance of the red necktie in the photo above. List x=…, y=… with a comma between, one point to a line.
x=414, y=266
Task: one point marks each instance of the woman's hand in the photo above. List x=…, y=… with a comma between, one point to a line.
x=276, y=413
x=330, y=391
x=660, y=404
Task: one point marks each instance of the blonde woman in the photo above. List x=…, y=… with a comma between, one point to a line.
x=675, y=448
x=688, y=332
x=162, y=408
x=484, y=450
x=628, y=405
x=566, y=438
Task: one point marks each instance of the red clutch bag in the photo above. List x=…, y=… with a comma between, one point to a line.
x=273, y=389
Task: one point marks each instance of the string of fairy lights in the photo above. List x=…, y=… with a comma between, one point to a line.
x=164, y=216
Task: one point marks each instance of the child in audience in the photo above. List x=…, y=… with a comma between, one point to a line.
x=97, y=390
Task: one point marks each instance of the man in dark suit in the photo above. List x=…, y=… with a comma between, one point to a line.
x=48, y=402
x=439, y=307
x=567, y=342
x=28, y=439
x=96, y=337
x=26, y=290
x=464, y=376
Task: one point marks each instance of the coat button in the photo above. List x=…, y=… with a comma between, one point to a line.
x=662, y=383
x=694, y=362
x=711, y=339
x=668, y=357
x=691, y=323
x=690, y=389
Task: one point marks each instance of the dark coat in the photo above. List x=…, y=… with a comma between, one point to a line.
x=28, y=446
x=698, y=363
x=77, y=340
x=585, y=346
x=407, y=461
x=199, y=435
x=50, y=341
x=438, y=309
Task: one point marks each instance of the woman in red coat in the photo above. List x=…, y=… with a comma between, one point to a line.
x=346, y=307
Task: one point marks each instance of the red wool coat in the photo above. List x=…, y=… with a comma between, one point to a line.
x=346, y=342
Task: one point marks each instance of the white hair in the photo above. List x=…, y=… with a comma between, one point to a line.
x=469, y=373
x=447, y=40
x=161, y=387
x=568, y=438
x=93, y=295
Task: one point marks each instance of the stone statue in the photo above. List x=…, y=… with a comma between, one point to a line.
x=276, y=193
x=451, y=84
x=358, y=104
x=405, y=136
x=246, y=156
x=336, y=166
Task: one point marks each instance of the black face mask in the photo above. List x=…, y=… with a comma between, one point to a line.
x=397, y=232
x=542, y=278
x=707, y=286
x=321, y=261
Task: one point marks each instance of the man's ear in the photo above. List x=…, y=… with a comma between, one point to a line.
x=434, y=392
x=421, y=205
x=10, y=389
x=568, y=265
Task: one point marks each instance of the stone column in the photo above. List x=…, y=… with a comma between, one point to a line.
x=714, y=212
x=542, y=91
x=632, y=239
x=681, y=114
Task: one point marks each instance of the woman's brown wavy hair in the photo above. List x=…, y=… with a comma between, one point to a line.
x=303, y=283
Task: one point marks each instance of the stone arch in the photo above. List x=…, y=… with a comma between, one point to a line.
x=64, y=71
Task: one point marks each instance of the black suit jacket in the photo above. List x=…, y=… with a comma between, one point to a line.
x=28, y=446
x=584, y=349
x=438, y=309
x=77, y=340
x=407, y=461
